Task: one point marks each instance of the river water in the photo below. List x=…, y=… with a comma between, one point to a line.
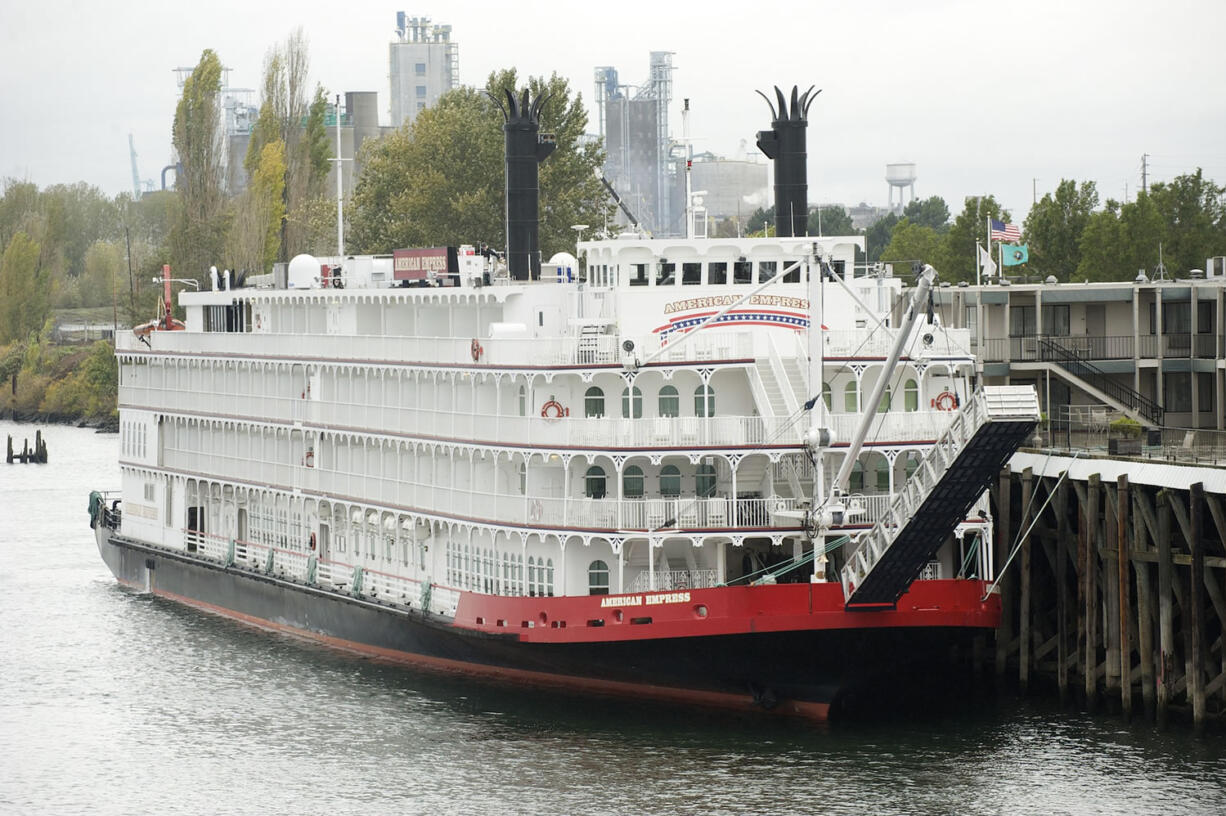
x=113, y=702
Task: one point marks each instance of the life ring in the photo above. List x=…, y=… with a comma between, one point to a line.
x=945, y=401
x=312, y=542
x=309, y=461
x=553, y=410
x=259, y=321
x=476, y=350
x=535, y=510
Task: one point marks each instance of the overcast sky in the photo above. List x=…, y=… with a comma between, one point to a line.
x=1002, y=98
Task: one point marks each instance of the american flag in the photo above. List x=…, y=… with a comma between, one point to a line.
x=1004, y=232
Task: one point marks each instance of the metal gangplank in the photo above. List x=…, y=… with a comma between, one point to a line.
x=949, y=480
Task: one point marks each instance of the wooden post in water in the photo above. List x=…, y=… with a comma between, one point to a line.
x=1062, y=599
x=1145, y=606
x=1166, y=626
x=1004, y=634
x=1111, y=591
x=1196, y=600
x=1091, y=584
x=1121, y=525
x=1023, y=655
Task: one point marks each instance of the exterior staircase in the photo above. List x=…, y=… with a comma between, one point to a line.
x=948, y=482
x=1084, y=374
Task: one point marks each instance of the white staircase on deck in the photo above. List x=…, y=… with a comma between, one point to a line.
x=951, y=477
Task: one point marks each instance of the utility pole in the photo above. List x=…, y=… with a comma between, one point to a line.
x=1144, y=174
x=1034, y=191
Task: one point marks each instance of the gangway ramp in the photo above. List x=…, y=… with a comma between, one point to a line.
x=947, y=483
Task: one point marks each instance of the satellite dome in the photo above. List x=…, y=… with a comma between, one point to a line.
x=303, y=271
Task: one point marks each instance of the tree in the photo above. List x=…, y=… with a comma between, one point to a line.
x=914, y=242
x=287, y=117
x=877, y=236
x=255, y=234
x=1194, y=215
x=1099, y=245
x=103, y=270
x=25, y=291
x=198, y=235
x=1141, y=231
x=970, y=227
x=931, y=212
x=1054, y=227
x=439, y=180
x=830, y=220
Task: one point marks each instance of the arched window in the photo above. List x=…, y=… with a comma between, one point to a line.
x=704, y=480
x=632, y=407
x=827, y=397
x=884, y=405
x=851, y=401
x=910, y=395
x=910, y=463
x=598, y=578
x=632, y=482
x=547, y=580
x=593, y=402
x=855, y=482
x=594, y=482
x=670, y=481
x=670, y=403
x=523, y=401
x=704, y=401
x=532, y=586
x=882, y=469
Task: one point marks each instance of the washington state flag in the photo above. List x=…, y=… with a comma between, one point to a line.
x=1015, y=254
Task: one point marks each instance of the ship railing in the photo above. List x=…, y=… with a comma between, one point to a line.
x=873, y=343
x=574, y=430
x=674, y=580
x=577, y=349
x=335, y=576
x=893, y=425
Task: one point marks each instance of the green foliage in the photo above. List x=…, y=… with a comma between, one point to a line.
x=832, y=220
x=25, y=291
x=1099, y=245
x=971, y=226
x=1126, y=427
x=914, y=242
x=1055, y=225
x=931, y=212
x=1193, y=212
x=91, y=390
x=255, y=233
x=198, y=236
x=877, y=237
x=439, y=180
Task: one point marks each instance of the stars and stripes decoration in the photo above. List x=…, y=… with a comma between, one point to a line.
x=796, y=321
x=1008, y=233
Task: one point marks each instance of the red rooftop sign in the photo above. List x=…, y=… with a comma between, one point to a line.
x=417, y=264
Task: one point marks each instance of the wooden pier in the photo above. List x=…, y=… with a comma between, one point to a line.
x=27, y=456
x=1116, y=594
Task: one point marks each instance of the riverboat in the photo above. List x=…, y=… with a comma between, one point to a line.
x=741, y=473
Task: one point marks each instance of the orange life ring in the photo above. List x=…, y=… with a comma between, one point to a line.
x=309, y=461
x=945, y=401
x=312, y=542
x=476, y=350
x=553, y=410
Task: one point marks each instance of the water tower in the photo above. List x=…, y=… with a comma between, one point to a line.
x=901, y=176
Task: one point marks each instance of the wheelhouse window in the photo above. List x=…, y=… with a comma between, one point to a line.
x=594, y=482
x=638, y=274
x=670, y=402
x=632, y=403
x=704, y=401
x=742, y=271
x=598, y=578
x=670, y=481
x=691, y=274
x=593, y=402
x=767, y=270
x=717, y=272
x=667, y=274
x=632, y=482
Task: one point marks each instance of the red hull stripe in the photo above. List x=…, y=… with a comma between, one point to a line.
x=589, y=685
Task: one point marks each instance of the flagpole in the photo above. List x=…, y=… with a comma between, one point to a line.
x=1000, y=250
x=989, y=225
x=978, y=264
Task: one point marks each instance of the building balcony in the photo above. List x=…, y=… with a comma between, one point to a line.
x=1105, y=347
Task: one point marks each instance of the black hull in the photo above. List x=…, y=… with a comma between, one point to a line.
x=815, y=674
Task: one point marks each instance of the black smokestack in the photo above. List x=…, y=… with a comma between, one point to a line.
x=785, y=144
x=526, y=148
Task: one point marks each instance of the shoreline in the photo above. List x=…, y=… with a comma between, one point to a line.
x=100, y=425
